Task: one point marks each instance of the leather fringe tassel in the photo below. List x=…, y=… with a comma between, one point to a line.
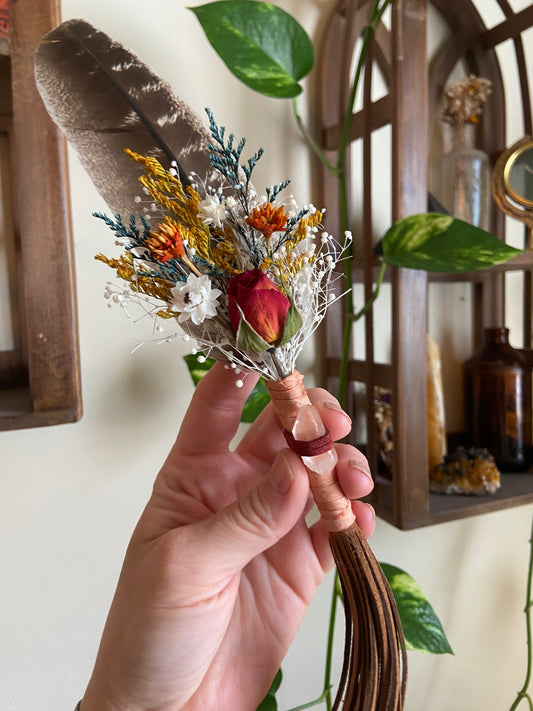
x=374, y=671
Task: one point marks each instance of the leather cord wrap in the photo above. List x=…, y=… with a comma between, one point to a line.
x=309, y=449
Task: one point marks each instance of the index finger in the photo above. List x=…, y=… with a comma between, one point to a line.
x=214, y=414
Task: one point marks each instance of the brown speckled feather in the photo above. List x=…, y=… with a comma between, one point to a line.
x=105, y=99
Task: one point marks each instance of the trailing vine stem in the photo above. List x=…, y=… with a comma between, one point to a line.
x=314, y=147
x=309, y=704
x=523, y=694
x=325, y=696
x=377, y=10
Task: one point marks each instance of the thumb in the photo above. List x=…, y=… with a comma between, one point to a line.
x=257, y=520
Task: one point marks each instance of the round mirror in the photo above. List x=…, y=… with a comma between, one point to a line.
x=512, y=184
x=518, y=175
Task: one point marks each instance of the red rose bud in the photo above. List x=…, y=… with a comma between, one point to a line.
x=258, y=308
x=255, y=297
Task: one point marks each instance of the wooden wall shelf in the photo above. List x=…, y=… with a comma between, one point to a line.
x=516, y=490
x=409, y=107
x=39, y=377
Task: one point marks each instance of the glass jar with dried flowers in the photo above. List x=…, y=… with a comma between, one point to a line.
x=461, y=179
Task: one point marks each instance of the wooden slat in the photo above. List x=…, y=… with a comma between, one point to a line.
x=366, y=187
x=410, y=130
x=357, y=371
x=511, y=27
x=13, y=370
x=381, y=114
x=45, y=235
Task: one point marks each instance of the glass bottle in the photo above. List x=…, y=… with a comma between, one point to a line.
x=497, y=399
x=461, y=180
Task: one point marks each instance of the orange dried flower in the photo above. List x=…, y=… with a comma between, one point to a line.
x=166, y=243
x=267, y=219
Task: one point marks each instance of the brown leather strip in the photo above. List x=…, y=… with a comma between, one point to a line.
x=288, y=396
x=317, y=446
x=375, y=661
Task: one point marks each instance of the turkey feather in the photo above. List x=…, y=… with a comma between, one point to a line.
x=105, y=99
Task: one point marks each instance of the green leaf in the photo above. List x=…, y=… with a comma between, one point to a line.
x=421, y=627
x=440, y=243
x=277, y=682
x=256, y=403
x=269, y=703
x=293, y=323
x=261, y=44
x=197, y=369
x=257, y=400
x=248, y=339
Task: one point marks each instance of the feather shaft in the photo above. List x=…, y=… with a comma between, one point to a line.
x=128, y=98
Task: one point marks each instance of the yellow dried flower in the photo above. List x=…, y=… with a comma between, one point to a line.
x=307, y=222
x=168, y=191
x=149, y=285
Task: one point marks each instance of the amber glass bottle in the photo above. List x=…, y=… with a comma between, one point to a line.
x=498, y=400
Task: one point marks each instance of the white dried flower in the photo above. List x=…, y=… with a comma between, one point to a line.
x=212, y=211
x=195, y=300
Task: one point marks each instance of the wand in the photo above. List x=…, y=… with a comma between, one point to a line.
x=374, y=669
x=248, y=277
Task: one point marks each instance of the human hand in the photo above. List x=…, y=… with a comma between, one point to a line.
x=222, y=565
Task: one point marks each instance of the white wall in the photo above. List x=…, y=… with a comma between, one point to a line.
x=71, y=494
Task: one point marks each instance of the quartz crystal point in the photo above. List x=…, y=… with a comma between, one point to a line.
x=307, y=427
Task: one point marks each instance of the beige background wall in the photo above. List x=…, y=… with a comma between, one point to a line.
x=70, y=495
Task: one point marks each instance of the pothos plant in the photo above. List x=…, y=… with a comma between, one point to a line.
x=269, y=51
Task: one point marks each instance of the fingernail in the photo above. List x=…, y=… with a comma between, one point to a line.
x=282, y=476
x=372, y=509
x=361, y=465
x=332, y=405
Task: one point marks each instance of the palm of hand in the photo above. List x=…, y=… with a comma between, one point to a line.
x=244, y=635
x=214, y=586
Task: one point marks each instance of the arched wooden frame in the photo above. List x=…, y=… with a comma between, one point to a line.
x=409, y=106
x=39, y=378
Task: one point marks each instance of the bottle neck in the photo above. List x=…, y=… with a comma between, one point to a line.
x=461, y=135
x=495, y=335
